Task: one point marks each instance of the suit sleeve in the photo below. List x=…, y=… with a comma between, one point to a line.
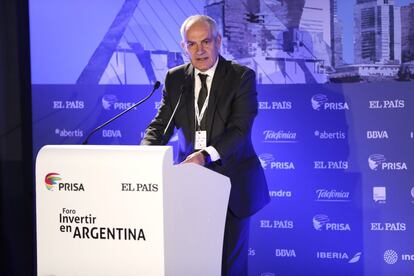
x=154, y=132
x=243, y=111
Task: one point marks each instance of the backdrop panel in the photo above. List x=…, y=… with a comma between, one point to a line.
x=335, y=128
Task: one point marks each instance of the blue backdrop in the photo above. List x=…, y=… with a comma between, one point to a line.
x=335, y=128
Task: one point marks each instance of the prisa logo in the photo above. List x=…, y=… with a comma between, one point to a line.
x=52, y=180
x=321, y=221
x=378, y=161
x=320, y=102
x=267, y=159
x=108, y=101
x=111, y=102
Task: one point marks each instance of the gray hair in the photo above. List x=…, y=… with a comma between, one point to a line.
x=199, y=18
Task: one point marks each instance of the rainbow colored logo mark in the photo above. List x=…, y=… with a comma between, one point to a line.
x=51, y=180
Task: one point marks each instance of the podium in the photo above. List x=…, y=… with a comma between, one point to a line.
x=127, y=210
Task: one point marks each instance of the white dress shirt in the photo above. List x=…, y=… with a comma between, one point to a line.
x=197, y=86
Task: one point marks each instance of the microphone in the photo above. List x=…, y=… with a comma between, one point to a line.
x=156, y=86
x=183, y=89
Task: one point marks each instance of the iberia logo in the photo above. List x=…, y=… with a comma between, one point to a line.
x=51, y=180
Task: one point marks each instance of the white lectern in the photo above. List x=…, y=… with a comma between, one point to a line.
x=127, y=210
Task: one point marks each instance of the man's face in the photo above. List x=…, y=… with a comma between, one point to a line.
x=201, y=46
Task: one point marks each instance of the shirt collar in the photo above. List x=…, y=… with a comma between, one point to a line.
x=210, y=72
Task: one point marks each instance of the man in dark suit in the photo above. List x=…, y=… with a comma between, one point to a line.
x=214, y=120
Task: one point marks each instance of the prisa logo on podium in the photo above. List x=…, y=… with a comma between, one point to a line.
x=52, y=181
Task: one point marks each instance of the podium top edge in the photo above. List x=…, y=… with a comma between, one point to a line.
x=107, y=147
x=114, y=148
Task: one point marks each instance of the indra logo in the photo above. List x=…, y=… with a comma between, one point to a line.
x=51, y=180
x=390, y=256
x=108, y=101
x=54, y=180
x=280, y=193
x=378, y=162
x=320, y=102
x=322, y=222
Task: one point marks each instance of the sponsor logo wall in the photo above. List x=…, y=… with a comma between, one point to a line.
x=336, y=184
x=338, y=157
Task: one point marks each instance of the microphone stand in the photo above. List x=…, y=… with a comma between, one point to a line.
x=156, y=86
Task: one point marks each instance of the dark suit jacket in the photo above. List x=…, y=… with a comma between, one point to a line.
x=231, y=110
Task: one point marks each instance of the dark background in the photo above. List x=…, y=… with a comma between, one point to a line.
x=16, y=167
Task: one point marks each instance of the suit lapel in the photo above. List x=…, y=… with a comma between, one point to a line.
x=216, y=86
x=189, y=99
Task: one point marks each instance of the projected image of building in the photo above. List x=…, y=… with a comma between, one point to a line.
x=407, y=33
x=377, y=32
x=284, y=41
x=336, y=35
x=377, y=43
